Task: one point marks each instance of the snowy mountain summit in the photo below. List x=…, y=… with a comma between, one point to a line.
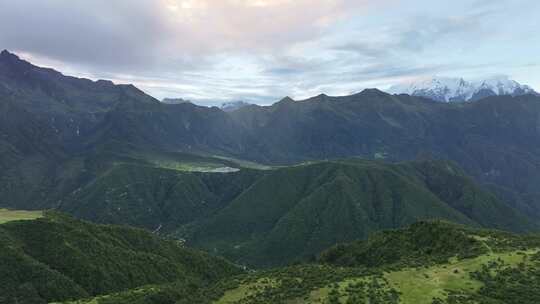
x=445, y=89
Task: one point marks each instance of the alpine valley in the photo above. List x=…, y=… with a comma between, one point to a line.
x=111, y=196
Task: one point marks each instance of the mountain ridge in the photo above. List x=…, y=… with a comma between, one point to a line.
x=447, y=89
x=495, y=139
x=233, y=105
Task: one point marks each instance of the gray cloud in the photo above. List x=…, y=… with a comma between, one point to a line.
x=98, y=33
x=132, y=35
x=211, y=51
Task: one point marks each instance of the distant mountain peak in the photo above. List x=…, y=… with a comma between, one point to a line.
x=233, y=105
x=286, y=99
x=6, y=56
x=45, y=89
x=448, y=89
x=372, y=91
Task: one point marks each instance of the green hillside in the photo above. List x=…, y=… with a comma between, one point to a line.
x=427, y=263
x=154, y=197
x=495, y=140
x=430, y=262
x=57, y=258
x=325, y=203
x=241, y=215
x=422, y=243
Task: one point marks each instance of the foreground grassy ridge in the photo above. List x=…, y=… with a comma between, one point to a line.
x=16, y=215
x=313, y=284
x=423, y=285
x=497, y=268
x=430, y=262
x=173, y=293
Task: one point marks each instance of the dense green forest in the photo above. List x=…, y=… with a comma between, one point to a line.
x=240, y=215
x=57, y=258
x=477, y=266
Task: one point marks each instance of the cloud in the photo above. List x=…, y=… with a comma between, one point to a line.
x=199, y=48
x=139, y=34
x=257, y=24
x=98, y=32
x=259, y=50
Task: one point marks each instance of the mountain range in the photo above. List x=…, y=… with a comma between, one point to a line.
x=446, y=89
x=264, y=186
x=61, y=132
x=226, y=106
x=233, y=105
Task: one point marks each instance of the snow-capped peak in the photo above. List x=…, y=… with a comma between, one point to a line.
x=502, y=85
x=446, y=89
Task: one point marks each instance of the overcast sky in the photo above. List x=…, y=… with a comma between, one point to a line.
x=212, y=51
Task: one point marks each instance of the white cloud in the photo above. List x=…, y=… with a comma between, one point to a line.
x=261, y=50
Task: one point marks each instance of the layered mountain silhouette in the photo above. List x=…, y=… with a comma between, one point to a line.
x=60, y=134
